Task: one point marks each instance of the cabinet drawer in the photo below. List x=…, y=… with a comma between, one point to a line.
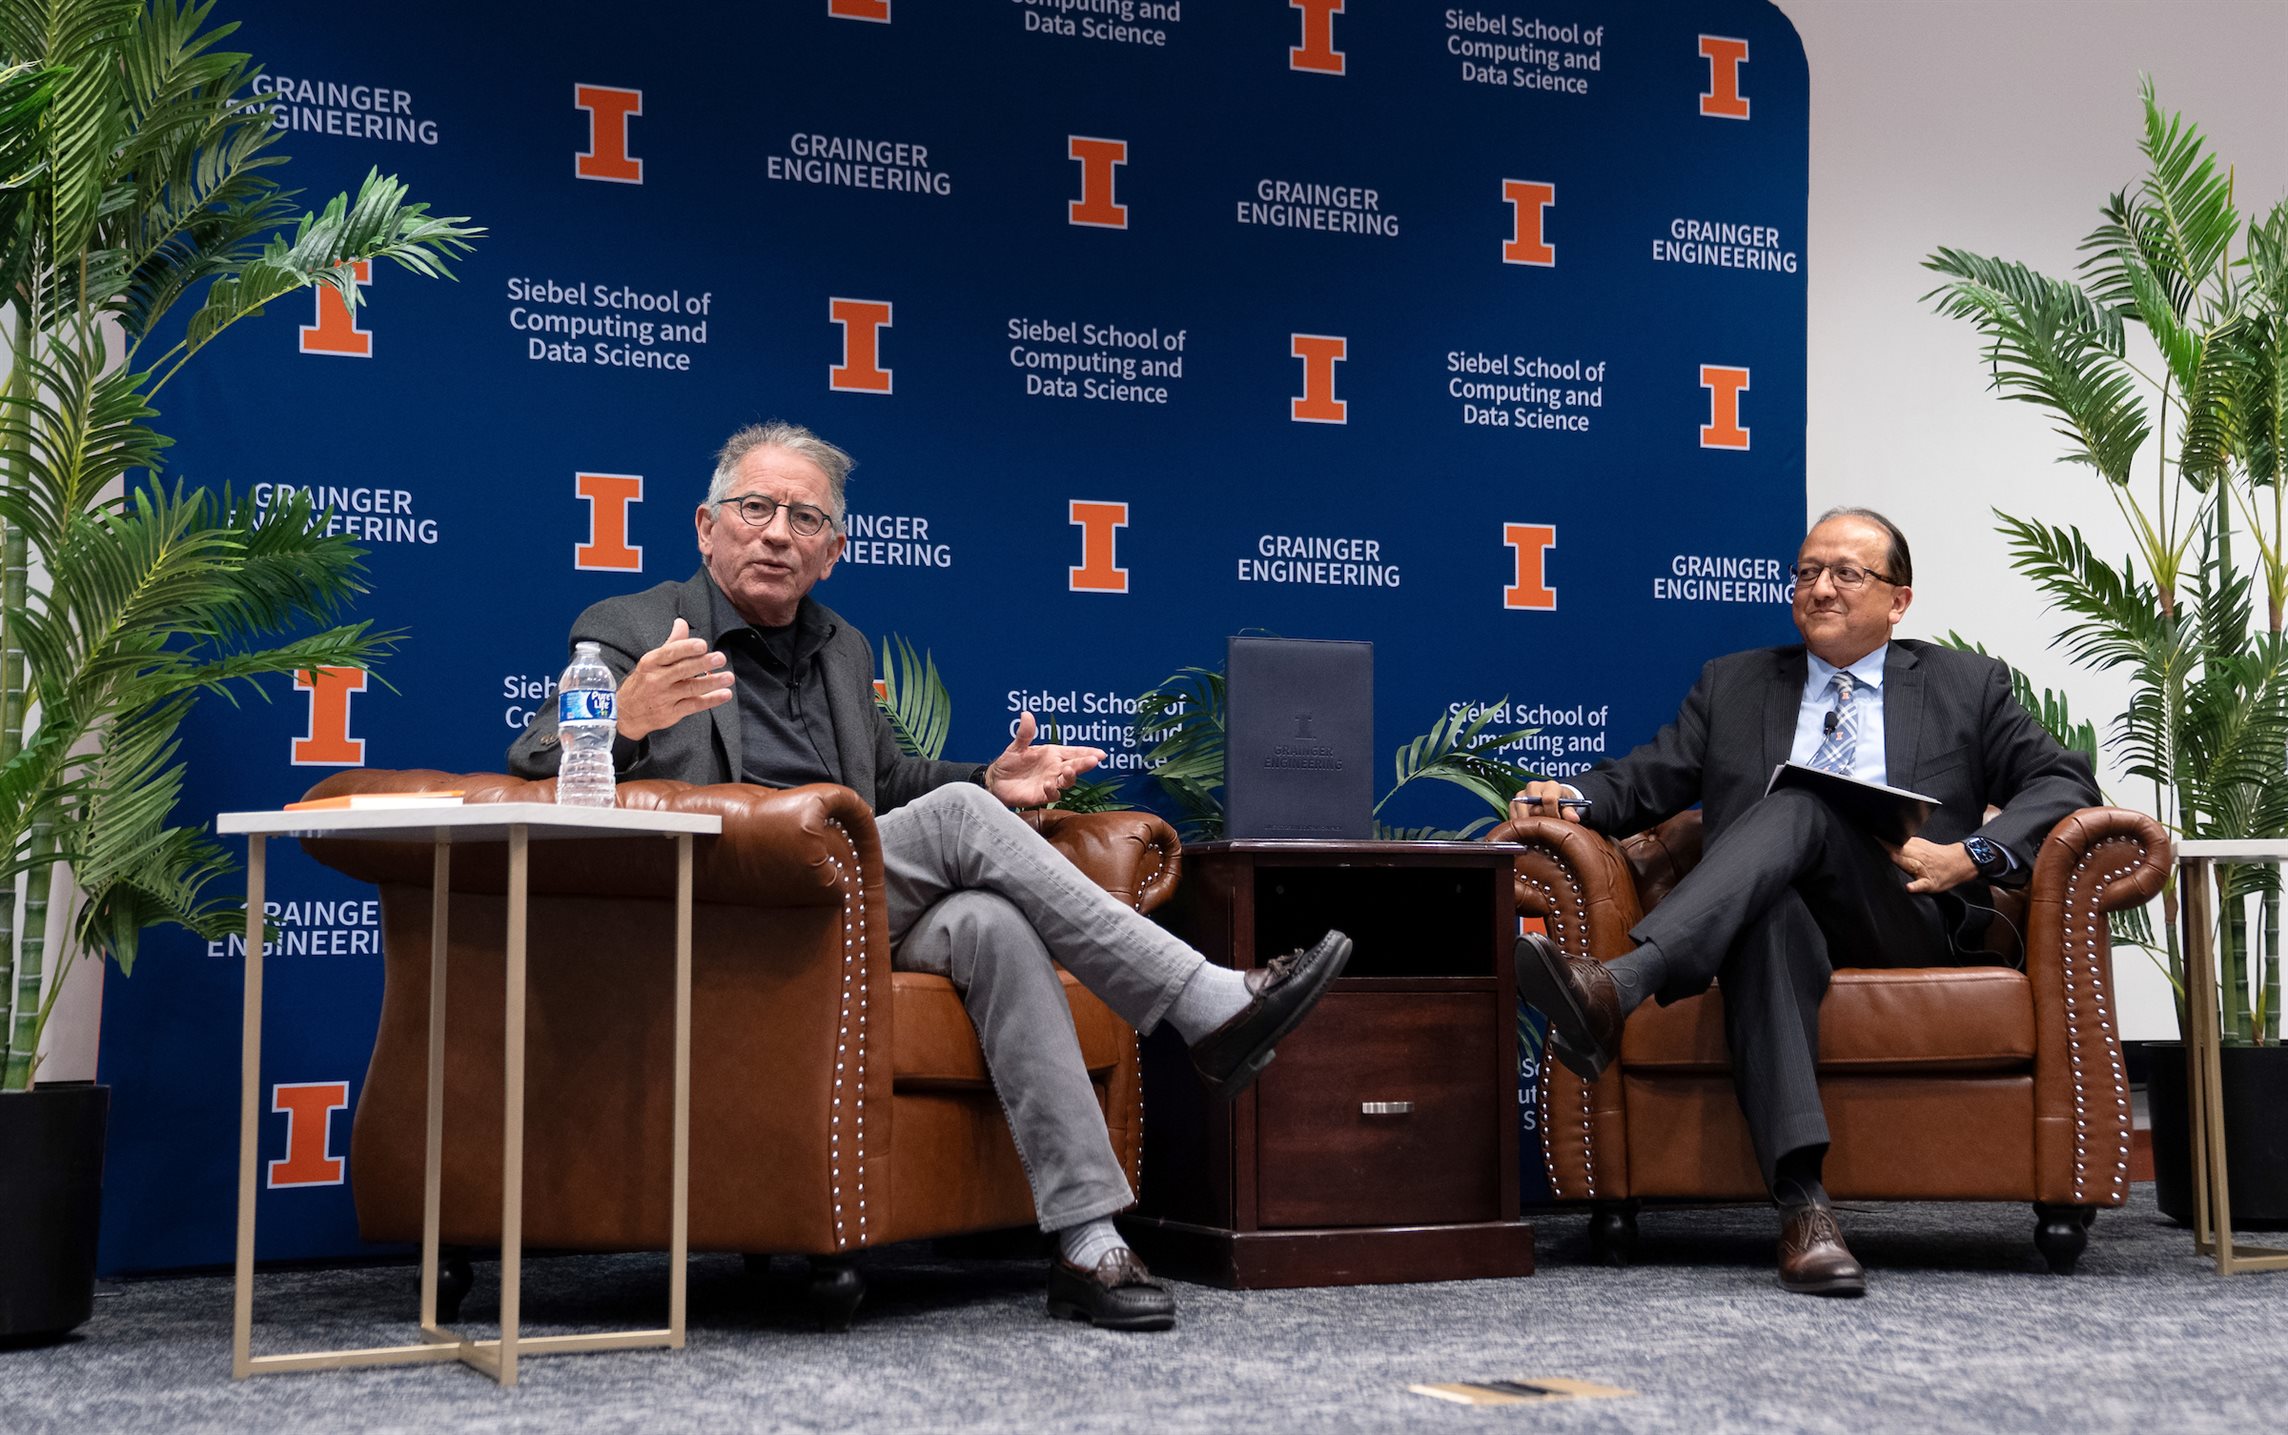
x=1323, y=1161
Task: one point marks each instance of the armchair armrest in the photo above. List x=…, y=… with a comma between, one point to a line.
x=1581, y=885
x=2095, y=861
x=1133, y=855
x=1577, y=881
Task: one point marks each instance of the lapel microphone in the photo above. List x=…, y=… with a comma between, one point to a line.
x=1833, y=717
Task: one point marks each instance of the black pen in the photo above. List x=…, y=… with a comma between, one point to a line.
x=1583, y=803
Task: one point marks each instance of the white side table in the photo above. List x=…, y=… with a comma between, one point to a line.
x=444, y=827
x=2212, y=1195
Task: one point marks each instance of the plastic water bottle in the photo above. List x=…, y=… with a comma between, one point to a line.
x=587, y=715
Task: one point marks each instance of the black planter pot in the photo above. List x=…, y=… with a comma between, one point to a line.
x=2255, y=1086
x=51, y=1199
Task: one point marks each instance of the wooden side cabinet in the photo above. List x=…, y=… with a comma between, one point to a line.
x=1381, y=1145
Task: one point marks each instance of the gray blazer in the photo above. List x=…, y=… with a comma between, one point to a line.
x=1951, y=729
x=705, y=748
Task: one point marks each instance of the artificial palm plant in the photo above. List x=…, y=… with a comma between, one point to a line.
x=2189, y=444
x=139, y=219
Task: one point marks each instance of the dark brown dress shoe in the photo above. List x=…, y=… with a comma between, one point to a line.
x=1285, y=989
x=1813, y=1258
x=1118, y=1295
x=1578, y=996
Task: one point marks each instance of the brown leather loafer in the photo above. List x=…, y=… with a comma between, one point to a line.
x=1813, y=1258
x=1578, y=996
x=1118, y=1295
x=1285, y=989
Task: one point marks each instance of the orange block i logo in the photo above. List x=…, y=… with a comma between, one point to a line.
x=1529, y=202
x=328, y=742
x=609, y=110
x=309, y=1108
x=1100, y=525
x=609, y=497
x=1724, y=385
x=1529, y=545
x=877, y=11
x=335, y=329
x=1725, y=56
x=862, y=321
x=1317, y=54
x=1317, y=403
x=1096, y=207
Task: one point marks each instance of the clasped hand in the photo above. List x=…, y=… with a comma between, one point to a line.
x=1935, y=867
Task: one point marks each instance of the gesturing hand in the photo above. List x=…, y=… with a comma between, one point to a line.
x=680, y=677
x=1028, y=776
x=1935, y=868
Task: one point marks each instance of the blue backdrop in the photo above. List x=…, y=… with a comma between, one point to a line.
x=1476, y=330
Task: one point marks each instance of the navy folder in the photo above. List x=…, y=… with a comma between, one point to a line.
x=1299, y=739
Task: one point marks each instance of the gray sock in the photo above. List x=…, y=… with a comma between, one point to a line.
x=1638, y=975
x=1089, y=1242
x=1213, y=996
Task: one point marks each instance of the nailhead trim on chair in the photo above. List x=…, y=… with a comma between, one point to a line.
x=851, y=880
x=1556, y=924
x=1151, y=876
x=1141, y=888
x=2084, y=972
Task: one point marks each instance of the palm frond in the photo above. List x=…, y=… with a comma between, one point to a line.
x=379, y=223
x=1459, y=750
x=2178, y=227
x=2050, y=344
x=914, y=699
x=85, y=125
x=1183, y=718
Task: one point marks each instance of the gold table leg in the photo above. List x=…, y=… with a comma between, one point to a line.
x=497, y=1358
x=433, y=1146
x=249, y=1114
x=2212, y=1189
x=679, y=1216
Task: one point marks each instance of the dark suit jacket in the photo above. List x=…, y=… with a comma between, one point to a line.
x=1951, y=730
x=704, y=748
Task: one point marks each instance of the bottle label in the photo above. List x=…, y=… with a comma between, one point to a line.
x=586, y=705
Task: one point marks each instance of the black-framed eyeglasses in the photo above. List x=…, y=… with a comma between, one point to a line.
x=758, y=509
x=1847, y=576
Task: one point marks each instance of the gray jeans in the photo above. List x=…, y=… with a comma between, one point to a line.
x=977, y=896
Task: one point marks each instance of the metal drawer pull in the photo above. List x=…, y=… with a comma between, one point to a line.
x=1386, y=1108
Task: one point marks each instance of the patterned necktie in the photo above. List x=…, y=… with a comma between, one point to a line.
x=1840, y=747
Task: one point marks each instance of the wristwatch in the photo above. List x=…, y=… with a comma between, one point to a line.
x=1987, y=855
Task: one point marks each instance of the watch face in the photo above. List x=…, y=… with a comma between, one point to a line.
x=1983, y=853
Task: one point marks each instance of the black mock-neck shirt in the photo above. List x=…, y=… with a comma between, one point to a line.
x=786, y=737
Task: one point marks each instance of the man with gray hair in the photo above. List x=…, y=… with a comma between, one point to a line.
x=738, y=675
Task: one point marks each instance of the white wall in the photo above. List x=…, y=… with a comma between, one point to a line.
x=1996, y=126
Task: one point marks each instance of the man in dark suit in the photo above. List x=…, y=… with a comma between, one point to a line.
x=738, y=675
x=1785, y=879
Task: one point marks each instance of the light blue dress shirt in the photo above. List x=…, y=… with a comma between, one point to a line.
x=1867, y=762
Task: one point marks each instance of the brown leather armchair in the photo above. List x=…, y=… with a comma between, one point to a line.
x=1972, y=1083
x=835, y=1105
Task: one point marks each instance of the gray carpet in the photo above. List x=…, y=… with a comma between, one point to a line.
x=1963, y=1330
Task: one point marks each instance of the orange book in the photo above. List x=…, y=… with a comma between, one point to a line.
x=378, y=799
